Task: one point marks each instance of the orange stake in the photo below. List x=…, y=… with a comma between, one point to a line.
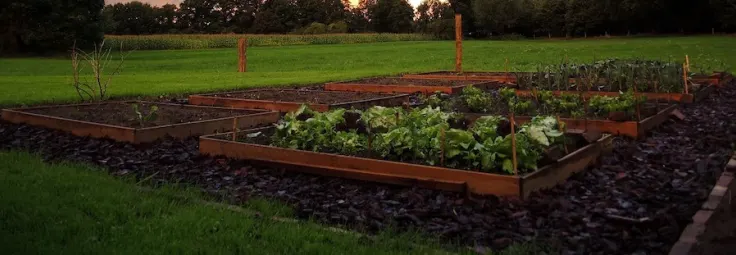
x=684, y=76
x=235, y=129
x=458, y=43
x=442, y=147
x=513, y=145
x=562, y=128
x=242, y=55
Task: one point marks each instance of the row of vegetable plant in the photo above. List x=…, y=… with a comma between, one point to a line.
x=542, y=102
x=608, y=75
x=425, y=135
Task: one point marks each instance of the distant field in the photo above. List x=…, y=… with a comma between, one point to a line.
x=38, y=80
x=198, y=41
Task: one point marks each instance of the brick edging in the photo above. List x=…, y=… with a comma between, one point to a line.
x=720, y=196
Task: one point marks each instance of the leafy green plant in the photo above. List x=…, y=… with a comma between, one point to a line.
x=349, y=143
x=421, y=135
x=486, y=127
x=381, y=119
x=626, y=102
x=144, y=118
x=476, y=99
x=438, y=99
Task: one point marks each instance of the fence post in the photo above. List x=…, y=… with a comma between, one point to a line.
x=242, y=55
x=458, y=43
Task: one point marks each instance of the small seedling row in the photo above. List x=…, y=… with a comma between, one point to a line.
x=287, y=100
x=137, y=121
x=402, y=85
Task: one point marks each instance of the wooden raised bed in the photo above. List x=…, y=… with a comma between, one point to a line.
x=453, y=76
x=634, y=129
x=670, y=97
x=321, y=100
x=715, y=79
x=400, y=173
x=402, y=85
x=245, y=119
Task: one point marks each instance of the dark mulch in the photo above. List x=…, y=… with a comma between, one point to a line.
x=637, y=202
x=309, y=96
x=411, y=82
x=123, y=114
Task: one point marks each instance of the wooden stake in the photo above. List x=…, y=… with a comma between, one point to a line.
x=370, y=140
x=458, y=43
x=242, y=56
x=506, y=67
x=564, y=143
x=687, y=62
x=513, y=145
x=235, y=129
x=442, y=147
x=585, y=114
x=684, y=76
x=636, y=96
x=656, y=90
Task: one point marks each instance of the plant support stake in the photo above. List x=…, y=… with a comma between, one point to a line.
x=235, y=129
x=458, y=43
x=442, y=147
x=513, y=145
x=684, y=76
x=242, y=55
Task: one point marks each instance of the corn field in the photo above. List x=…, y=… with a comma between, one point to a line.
x=200, y=41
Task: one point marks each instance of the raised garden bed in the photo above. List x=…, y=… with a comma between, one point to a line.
x=631, y=128
x=666, y=97
x=503, y=77
x=286, y=100
x=716, y=79
x=619, y=115
x=367, y=164
x=401, y=85
x=119, y=121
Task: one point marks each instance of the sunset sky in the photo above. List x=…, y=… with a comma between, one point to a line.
x=162, y=2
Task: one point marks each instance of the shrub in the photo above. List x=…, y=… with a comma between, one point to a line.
x=339, y=27
x=315, y=28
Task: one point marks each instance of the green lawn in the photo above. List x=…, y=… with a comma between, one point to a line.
x=35, y=80
x=74, y=209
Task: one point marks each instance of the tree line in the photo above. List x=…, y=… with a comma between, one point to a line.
x=528, y=18
x=28, y=25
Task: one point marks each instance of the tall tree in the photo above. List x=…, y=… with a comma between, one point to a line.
x=133, y=18
x=49, y=25
x=237, y=15
x=465, y=8
x=276, y=16
x=321, y=11
x=391, y=16
x=199, y=16
x=499, y=16
x=166, y=18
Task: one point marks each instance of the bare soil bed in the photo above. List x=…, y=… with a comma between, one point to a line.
x=122, y=113
x=637, y=202
x=308, y=96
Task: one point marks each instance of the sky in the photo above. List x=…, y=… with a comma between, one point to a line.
x=162, y=2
